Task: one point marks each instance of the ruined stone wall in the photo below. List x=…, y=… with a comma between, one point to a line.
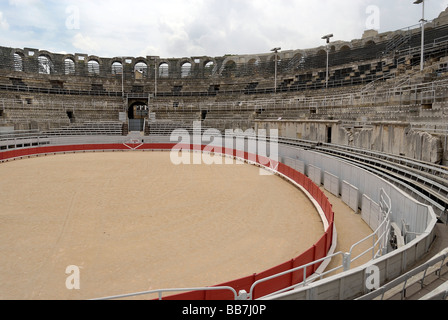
x=392, y=138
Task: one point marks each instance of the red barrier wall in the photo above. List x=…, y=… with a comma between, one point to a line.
x=302, y=260
x=273, y=285
x=318, y=251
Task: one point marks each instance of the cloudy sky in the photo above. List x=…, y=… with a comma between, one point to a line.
x=186, y=28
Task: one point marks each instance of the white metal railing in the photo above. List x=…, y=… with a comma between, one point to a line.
x=408, y=94
x=160, y=293
x=380, y=237
x=62, y=105
x=302, y=269
x=419, y=274
x=380, y=240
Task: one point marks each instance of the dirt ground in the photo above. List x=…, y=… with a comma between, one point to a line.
x=134, y=222
x=351, y=229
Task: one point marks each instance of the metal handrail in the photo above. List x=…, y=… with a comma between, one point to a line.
x=404, y=279
x=349, y=99
x=162, y=291
x=301, y=268
x=385, y=205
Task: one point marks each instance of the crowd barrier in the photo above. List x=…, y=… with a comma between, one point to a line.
x=316, y=252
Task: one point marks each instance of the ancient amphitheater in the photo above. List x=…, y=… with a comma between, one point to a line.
x=362, y=151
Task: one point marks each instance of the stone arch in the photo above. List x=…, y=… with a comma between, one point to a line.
x=93, y=66
x=45, y=65
x=253, y=65
x=209, y=67
x=298, y=56
x=254, y=62
x=228, y=65
x=345, y=48
x=69, y=65
x=164, y=69
x=18, y=61
x=141, y=67
x=271, y=56
x=229, y=68
x=299, y=60
x=185, y=68
x=117, y=67
x=138, y=109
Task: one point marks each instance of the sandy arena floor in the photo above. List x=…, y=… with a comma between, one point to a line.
x=135, y=222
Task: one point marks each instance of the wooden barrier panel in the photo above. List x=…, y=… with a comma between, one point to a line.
x=302, y=260
x=276, y=284
x=281, y=168
x=188, y=296
x=290, y=172
x=321, y=250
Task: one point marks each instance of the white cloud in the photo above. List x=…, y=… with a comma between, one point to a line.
x=4, y=25
x=178, y=28
x=21, y=3
x=85, y=43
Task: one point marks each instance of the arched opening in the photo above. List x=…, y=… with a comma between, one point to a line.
x=138, y=110
x=45, y=65
x=252, y=66
x=117, y=68
x=209, y=68
x=141, y=69
x=69, y=66
x=345, y=48
x=185, y=70
x=71, y=116
x=298, y=61
x=229, y=69
x=137, y=113
x=253, y=62
x=18, y=62
x=164, y=70
x=93, y=67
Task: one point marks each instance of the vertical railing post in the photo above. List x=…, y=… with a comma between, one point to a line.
x=346, y=261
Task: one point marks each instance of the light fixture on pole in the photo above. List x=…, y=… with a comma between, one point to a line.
x=122, y=76
x=276, y=50
x=422, y=61
x=156, y=70
x=327, y=37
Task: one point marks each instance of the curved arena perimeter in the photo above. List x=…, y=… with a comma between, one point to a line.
x=134, y=221
x=373, y=136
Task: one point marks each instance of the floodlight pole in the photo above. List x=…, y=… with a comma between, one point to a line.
x=276, y=50
x=155, y=76
x=328, y=63
x=327, y=77
x=422, y=62
x=122, y=77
